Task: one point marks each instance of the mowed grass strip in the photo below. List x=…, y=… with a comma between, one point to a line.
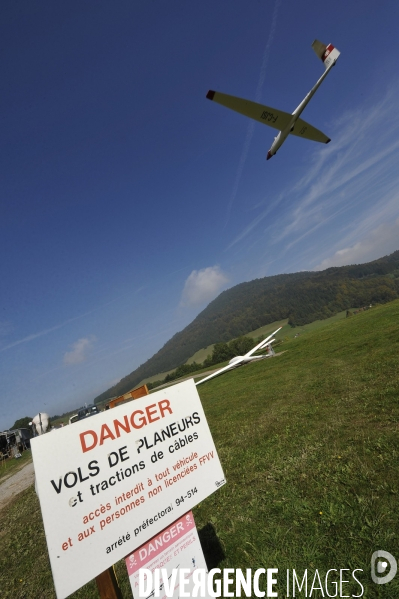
x=309, y=445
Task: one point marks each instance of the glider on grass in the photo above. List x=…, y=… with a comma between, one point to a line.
x=285, y=122
x=249, y=357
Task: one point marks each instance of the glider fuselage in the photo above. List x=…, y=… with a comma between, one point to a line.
x=282, y=136
x=239, y=360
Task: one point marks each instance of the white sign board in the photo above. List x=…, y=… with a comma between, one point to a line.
x=110, y=482
x=176, y=547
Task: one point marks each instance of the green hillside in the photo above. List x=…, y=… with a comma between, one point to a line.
x=309, y=445
x=300, y=298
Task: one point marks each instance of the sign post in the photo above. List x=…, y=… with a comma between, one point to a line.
x=109, y=483
x=107, y=583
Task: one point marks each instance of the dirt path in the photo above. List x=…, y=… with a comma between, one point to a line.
x=14, y=484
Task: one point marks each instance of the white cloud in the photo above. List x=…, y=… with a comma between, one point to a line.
x=379, y=242
x=346, y=172
x=34, y=336
x=202, y=286
x=78, y=353
x=46, y=331
x=343, y=209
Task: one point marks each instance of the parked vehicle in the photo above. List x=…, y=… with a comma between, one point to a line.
x=14, y=442
x=87, y=411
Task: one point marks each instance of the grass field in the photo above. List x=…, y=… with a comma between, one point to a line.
x=309, y=445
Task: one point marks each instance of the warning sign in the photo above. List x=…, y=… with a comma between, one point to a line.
x=111, y=482
x=175, y=548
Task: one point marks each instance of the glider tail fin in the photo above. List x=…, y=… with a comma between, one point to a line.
x=328, y=54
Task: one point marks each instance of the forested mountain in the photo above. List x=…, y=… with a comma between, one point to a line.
x=301, y=297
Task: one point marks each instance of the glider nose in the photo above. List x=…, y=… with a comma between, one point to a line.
x=269, y=155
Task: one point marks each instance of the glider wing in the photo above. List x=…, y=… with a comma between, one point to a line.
x=268, y=343
x=303, y=129
x=228, y=367
x=263, y=114
x=262, y=344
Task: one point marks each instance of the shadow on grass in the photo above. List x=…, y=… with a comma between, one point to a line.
x=213, y=551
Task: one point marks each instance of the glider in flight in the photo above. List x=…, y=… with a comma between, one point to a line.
x=283, y=121
x=240, y=360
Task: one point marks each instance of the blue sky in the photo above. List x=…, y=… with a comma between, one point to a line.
x=129, y=201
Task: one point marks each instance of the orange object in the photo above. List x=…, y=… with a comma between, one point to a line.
x=135, y=394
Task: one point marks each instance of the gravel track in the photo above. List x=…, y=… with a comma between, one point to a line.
x=15, y=484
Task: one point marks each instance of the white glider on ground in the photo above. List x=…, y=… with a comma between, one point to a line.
x=240, y=360
x=285, y=122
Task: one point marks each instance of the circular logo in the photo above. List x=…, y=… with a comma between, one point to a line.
x=379, y=567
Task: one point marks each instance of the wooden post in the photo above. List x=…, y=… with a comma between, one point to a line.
x=107, y=583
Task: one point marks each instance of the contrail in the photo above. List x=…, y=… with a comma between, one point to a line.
x=250, y=130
